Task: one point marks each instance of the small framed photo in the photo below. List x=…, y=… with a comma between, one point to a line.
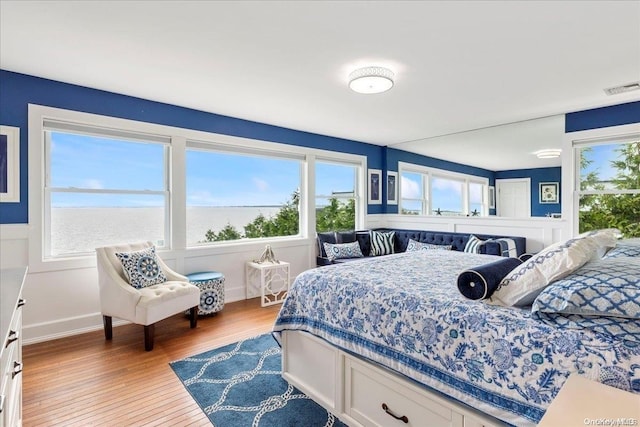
x=375, y=186
x=9, y=164
x=549, y=192
x=392, y=188
x=492, y=197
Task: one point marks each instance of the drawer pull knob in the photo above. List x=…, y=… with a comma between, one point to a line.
x=402, y=418
x=13, y=336
x=17, y=368
x=21, y=302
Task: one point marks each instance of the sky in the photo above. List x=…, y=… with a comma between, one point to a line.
x=213, y=178
x=445, y=193
x=220, y=179
x=601, y=157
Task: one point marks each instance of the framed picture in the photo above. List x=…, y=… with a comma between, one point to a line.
x=392, y=188
x=375, y=186
x=549, y=192
x=9, y=164
x=492, y=197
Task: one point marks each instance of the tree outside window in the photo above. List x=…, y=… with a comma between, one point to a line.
x=610, y=187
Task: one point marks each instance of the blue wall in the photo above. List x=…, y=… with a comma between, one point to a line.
x=537, y=176
x=19, y=90
x=614, y=115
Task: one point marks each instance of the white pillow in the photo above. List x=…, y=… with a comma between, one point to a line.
x=605, y=238
x=342, y=250
x=414, y=246
x=526, y=281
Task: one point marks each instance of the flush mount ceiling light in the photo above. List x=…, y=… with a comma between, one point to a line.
x=548, y=154
x=371, y=80
x=622, y=89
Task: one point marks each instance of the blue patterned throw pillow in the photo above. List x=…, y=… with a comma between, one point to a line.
x=413, y=246
x=607, y=287
x=625, y=248
x=342, y=250
x=141, y=268
x=381, y=242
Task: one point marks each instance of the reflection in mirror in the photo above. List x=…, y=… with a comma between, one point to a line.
x=496, y=148
x=510, y=152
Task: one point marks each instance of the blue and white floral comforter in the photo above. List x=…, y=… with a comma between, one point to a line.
x=404, y=311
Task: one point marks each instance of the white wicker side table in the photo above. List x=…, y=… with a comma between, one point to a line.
x=271, y=278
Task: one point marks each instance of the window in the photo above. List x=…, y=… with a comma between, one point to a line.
x=413, y=197
x=237, y=195
x=426, y=191
x=609, y=185
x=97, y=180
x=447, y=196
x=336, y=200
x=477, y=207
x=101, y=187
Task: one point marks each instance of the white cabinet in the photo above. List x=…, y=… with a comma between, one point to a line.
x=375, y=398
x=11, y=302
x=361, y=393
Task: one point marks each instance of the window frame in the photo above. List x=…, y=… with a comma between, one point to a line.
x=577, y=145
x=177, y=137
x=571, y=166
x=361, y=203
x=428, y=173
x=195, y=145
x=49, y=190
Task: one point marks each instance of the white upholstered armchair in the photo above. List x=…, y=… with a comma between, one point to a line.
x=167, y=294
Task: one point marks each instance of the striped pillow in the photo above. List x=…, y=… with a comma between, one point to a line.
x=381, y=243
x=473, y=245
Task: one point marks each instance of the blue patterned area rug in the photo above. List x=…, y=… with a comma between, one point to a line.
x=240, y=385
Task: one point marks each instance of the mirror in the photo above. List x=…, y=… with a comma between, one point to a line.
x=497, y=148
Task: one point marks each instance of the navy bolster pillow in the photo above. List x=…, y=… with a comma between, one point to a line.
x=480, y=282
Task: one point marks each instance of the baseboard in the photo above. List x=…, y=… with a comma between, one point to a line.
x=47, y=331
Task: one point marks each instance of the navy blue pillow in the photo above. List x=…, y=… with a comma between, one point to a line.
x=480, y=282
x=345, y=236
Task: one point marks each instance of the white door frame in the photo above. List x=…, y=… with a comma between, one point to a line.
x=513, y=180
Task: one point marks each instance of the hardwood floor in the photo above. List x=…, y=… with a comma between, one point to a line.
x=85, y=380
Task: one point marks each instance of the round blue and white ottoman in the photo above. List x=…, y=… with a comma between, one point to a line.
x=211, y=284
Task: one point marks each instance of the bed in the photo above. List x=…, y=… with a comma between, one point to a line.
x=398, y=324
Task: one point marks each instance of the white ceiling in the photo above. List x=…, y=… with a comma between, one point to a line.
x=459, y=65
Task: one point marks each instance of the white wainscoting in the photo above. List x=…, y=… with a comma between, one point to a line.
x=539, y=232
x=64, y=302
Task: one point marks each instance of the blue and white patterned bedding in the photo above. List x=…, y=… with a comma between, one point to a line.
x=404, y=311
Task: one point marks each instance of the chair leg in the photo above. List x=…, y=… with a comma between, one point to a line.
x=108, y=328
x=148, y=336
x=193, y=316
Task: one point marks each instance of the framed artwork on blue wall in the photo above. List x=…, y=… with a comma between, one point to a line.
x=392, y=188
x=549, y=192
x=375, y=186
x=9, y=164
x=492, y=197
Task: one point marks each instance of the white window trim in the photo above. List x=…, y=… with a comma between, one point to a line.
x=428, y=173
x=177, y=180
x=571, y=165
x=49, y=190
